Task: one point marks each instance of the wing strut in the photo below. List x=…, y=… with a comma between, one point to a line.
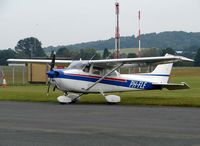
x=103, y=77
x=99, y=80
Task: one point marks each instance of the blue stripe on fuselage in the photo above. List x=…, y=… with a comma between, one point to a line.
x=127, y=83
x=158, y=75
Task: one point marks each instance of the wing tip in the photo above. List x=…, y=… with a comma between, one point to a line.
x=179, y=57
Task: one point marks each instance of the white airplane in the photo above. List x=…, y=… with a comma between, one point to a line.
x=101, y=76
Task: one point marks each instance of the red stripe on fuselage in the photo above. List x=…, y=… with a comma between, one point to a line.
x=98, y=77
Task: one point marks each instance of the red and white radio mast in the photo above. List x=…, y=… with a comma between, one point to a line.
x=139, y=42
x=117, y=35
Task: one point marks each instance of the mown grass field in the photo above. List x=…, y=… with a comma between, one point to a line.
x=191, y=97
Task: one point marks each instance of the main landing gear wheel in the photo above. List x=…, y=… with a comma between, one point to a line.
x=66, y=99
x=112, y=99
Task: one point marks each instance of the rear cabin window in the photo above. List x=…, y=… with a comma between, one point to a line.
x=101, y=71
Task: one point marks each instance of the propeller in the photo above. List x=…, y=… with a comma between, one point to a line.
x=53, y=55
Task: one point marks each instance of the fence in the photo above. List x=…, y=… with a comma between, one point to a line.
x=14, y=75
x=18, y=75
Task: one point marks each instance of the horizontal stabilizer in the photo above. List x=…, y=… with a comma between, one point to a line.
x=172, y=86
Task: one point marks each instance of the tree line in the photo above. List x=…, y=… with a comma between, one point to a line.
x=32, y=48
x=178, y=40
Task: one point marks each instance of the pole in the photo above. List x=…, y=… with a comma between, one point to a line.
x=13, y=75
x=139, y=42
x=23, y=78
x=117, y=34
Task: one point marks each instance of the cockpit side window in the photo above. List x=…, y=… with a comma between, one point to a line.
x=113, y=74
x=103, y=71
x=97, y=70
x=86, y=68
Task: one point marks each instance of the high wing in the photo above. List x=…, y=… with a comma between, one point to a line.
x=110, y=62
x=39, y=61
x=150, y=60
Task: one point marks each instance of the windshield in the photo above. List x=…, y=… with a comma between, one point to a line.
x=86, y=67
x=77, y=65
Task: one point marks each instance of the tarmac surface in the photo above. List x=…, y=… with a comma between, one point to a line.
x=51, y=124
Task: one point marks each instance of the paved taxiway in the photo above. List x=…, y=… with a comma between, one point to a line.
x=51, y=124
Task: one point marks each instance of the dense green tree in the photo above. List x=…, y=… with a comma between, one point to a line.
x=106, y=53
x=197, y=58
x=149, y=52
x=167, y=50
x=191, y=51
x=112, y=55
x=63, y=52
x=6, y=54
x=86, y=54
x=75, y=55
x=131, y=55
x=123, y=55
x=29, y=47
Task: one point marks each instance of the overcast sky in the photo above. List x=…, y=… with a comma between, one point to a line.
x=63, y=22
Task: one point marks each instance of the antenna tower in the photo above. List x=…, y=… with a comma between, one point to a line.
x=117, y=35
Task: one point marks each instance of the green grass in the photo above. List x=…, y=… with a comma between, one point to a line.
x=191, y=97
x=27, y=93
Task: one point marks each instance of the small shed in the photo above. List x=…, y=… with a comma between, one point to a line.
x=37, y=72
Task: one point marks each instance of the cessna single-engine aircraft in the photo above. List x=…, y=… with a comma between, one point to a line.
x=101, y=76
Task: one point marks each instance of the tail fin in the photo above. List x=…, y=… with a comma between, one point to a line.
x=162, y=73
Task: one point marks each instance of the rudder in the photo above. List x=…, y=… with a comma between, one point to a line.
x=162, y=72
